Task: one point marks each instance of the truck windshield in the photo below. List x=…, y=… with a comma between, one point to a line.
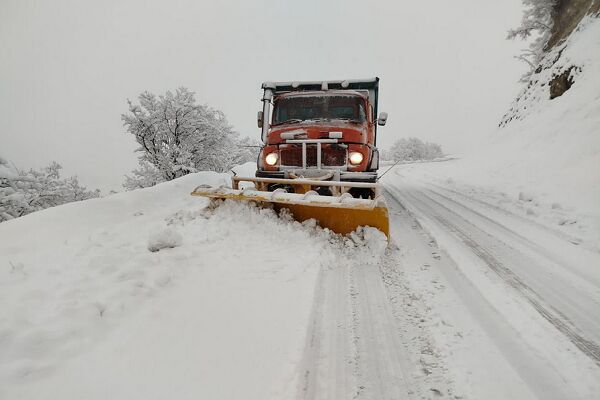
x=302, y=108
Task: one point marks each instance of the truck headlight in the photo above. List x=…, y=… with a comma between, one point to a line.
x=355, y=157
x=271, y=159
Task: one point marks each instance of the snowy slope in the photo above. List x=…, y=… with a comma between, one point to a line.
x=89, y=312
x=547, y=160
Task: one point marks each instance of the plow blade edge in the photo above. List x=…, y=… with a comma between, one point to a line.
x=341, y=214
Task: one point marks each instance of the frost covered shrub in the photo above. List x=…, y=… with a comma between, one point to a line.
x=23, y=192
x=413, y=149
x=145, y=176
x=178, y=136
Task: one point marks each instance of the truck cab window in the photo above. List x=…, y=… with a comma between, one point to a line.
x=303, y=108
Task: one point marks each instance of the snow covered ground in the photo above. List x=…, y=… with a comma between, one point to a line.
x=510, y=304
x=221, y=311
x=150, y=294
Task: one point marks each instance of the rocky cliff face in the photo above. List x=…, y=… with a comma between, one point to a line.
x=567, y=15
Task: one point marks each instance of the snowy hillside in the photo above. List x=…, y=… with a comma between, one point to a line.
x=547, y=157
x=88, y=311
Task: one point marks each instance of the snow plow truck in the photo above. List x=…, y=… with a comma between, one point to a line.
x=319, y=157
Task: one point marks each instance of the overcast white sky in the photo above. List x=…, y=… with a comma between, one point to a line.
x=68, y=66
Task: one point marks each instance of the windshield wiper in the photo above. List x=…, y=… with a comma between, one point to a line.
x=288, y=121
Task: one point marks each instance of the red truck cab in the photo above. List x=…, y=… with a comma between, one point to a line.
x=325, y=130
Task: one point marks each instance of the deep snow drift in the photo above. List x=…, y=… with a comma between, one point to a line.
x=146, y=294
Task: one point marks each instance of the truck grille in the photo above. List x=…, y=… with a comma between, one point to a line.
x=331, y=155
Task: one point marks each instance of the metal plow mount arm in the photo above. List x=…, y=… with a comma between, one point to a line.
x=340, y=212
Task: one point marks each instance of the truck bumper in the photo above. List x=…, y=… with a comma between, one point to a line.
x=343, y=175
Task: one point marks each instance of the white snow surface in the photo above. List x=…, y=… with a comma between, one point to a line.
x=221, y=311
x=508, y=304
x=164, y=239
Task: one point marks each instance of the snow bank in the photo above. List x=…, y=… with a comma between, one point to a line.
x=221, y=311
x=245, y=170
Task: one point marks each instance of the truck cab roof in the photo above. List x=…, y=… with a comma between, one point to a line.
x=315, y=93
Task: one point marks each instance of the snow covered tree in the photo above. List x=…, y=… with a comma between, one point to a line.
x=413, y=149
x=145, y=176
x=178, y=136
x=537, y=20
x=23, y=192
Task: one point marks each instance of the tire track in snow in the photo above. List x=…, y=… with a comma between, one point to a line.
x=542, y=379
x=353, y=350
x=382, y=373
x=554, y=258
x=551, y=314
x=327, y=368
x=555, y=317
x=437, y=189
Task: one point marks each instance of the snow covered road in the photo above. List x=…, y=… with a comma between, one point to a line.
x=567, y=295
x=353, y=348
x=532, y=293
x=470, y=300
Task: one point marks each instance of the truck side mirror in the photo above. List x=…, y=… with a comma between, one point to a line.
x=259, y=120
x=383, y=116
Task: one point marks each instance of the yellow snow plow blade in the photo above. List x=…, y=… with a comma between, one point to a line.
x=339, y=212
